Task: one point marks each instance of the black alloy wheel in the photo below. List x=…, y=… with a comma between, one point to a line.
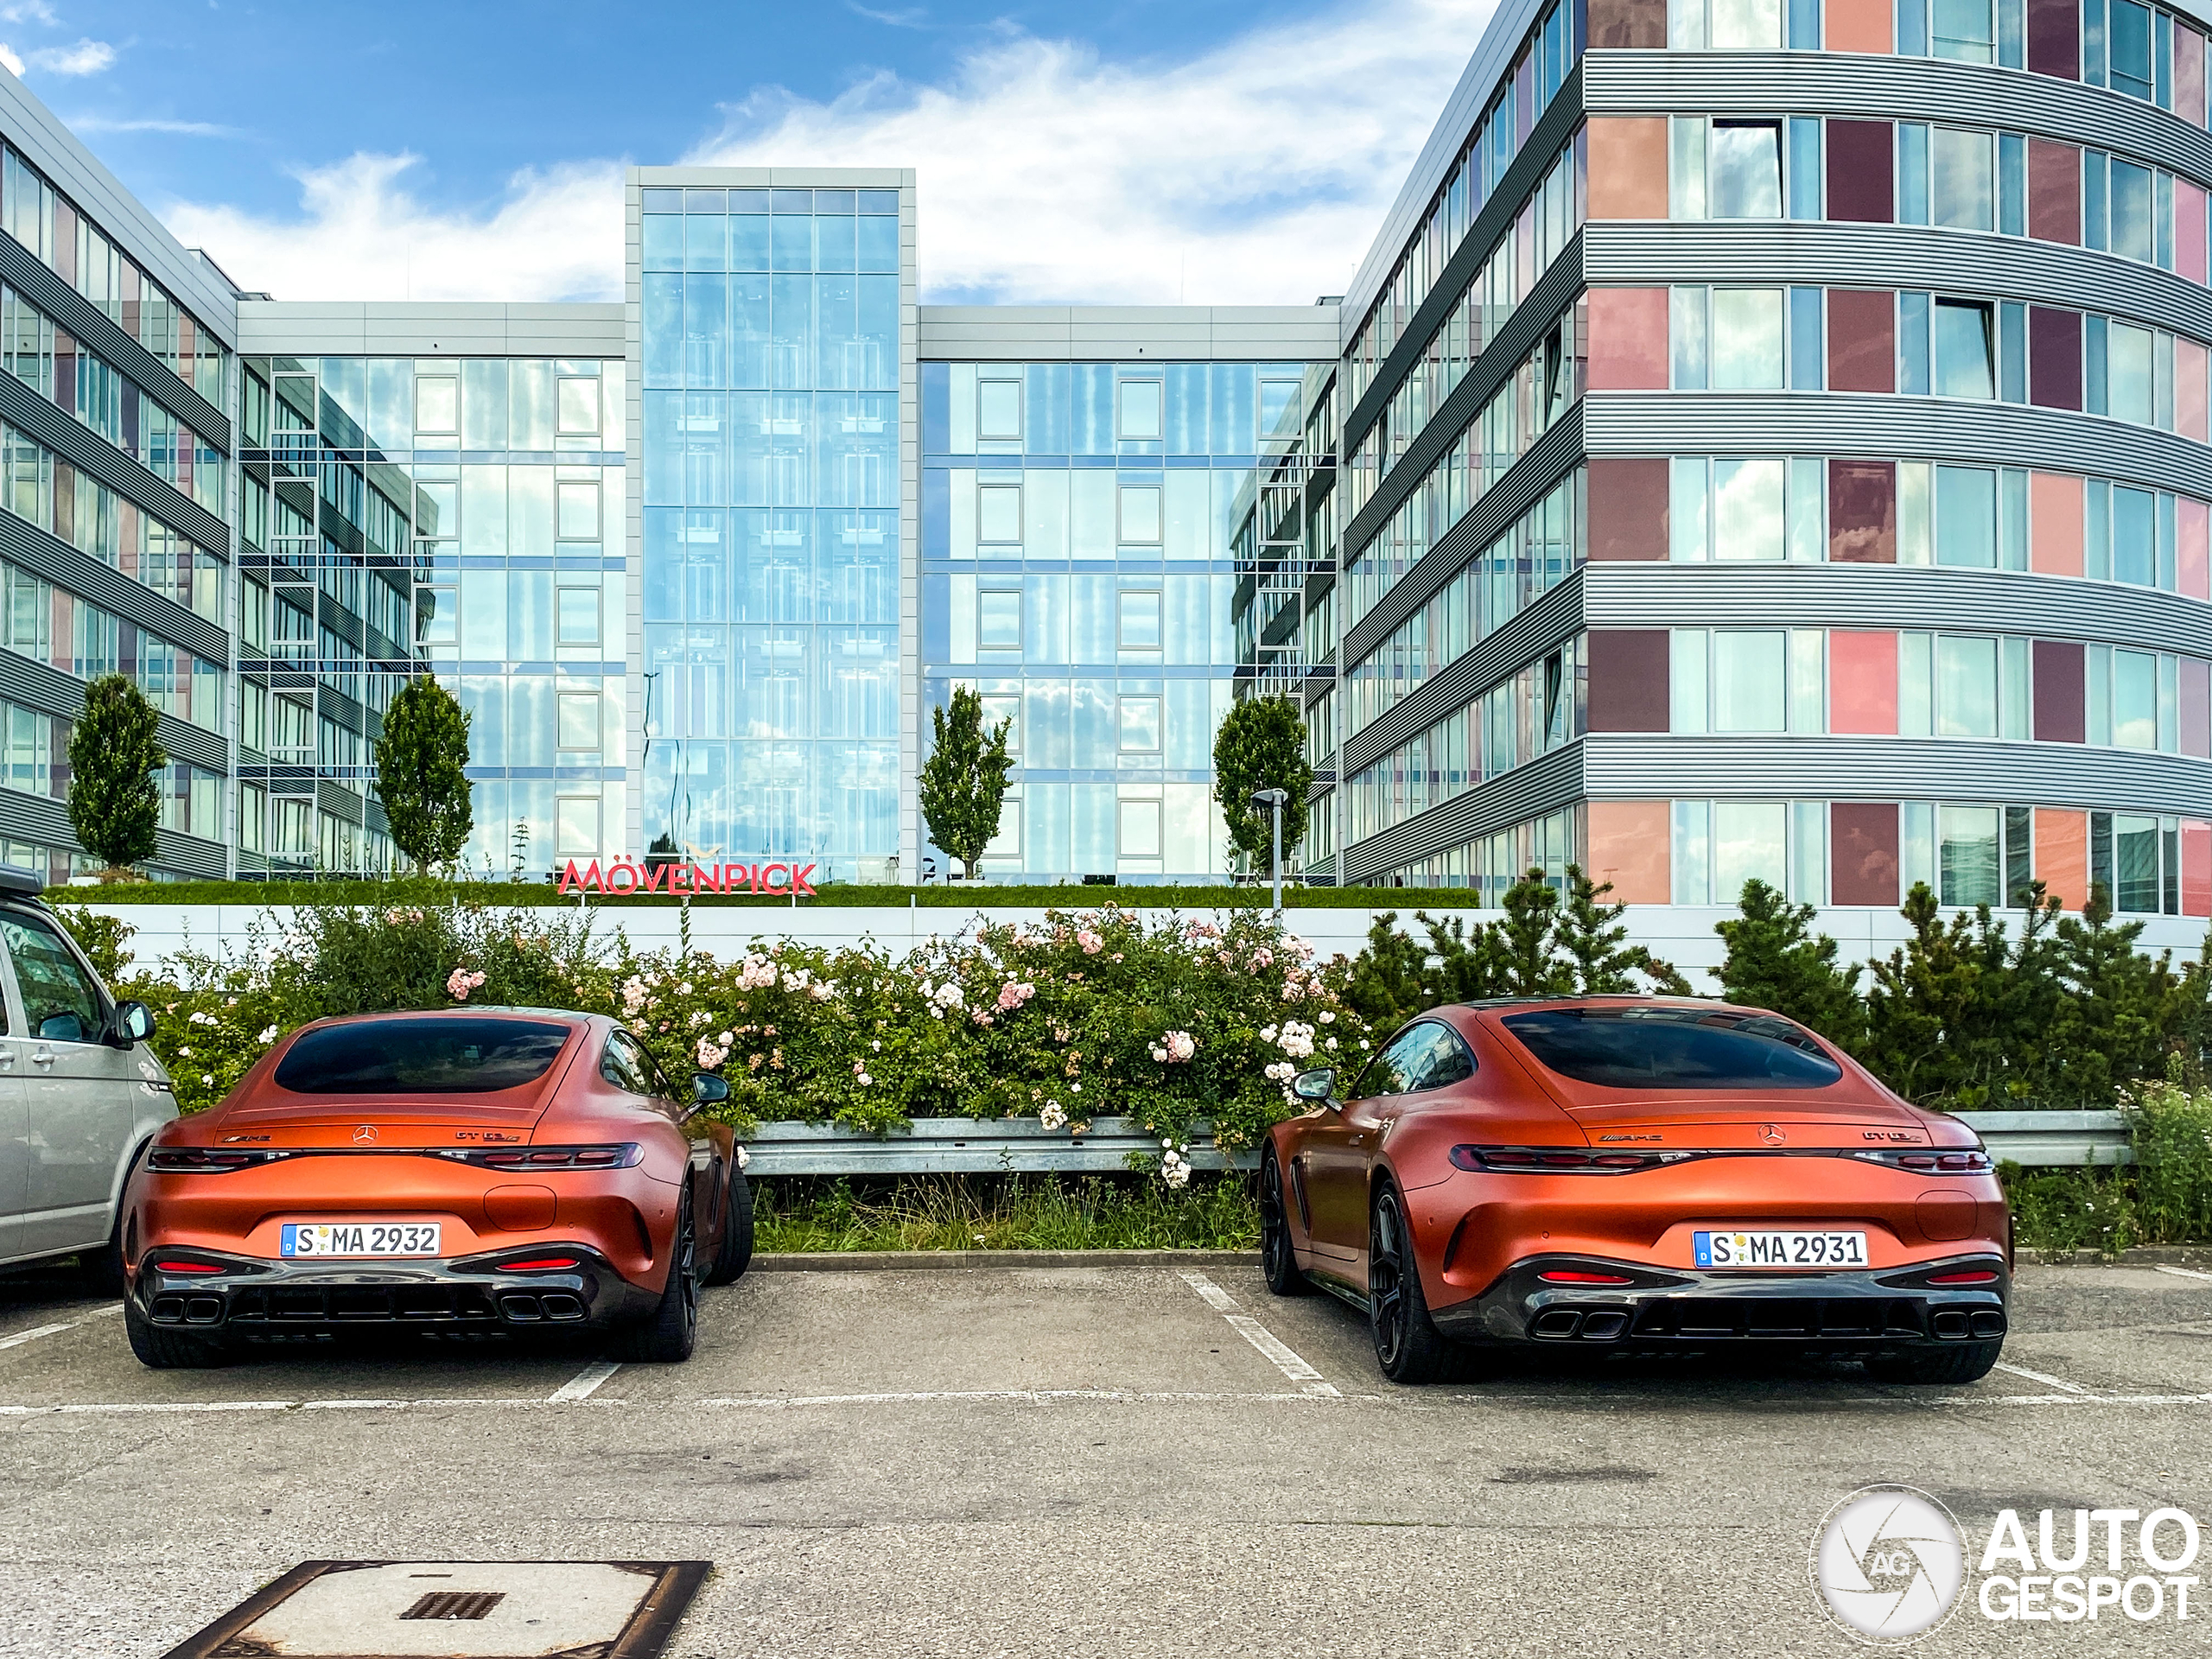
x=1278, y=1257
x=1407, y=1345
x=667, y=1334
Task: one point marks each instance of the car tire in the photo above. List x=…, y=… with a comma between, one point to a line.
x=667, y=1335
x=1964, y=1362
x=1407, y=1346
x=169, y=1350
x=734, y=1254
x=1278, y=1255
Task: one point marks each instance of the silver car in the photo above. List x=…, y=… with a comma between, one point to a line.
x=80, y=1093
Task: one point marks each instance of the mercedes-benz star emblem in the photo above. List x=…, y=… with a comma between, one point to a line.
x=368, y=1132
x=1772, y=1135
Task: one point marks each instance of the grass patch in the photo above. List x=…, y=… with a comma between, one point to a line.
x=1004, y=1212
x=1065, y=896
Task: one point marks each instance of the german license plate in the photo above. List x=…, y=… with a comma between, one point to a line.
x=320, y=1238
x=1780, y=1248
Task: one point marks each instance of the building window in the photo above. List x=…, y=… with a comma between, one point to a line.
x=1964, y=188
x=1138, y=620
x=998, y=618
x=1139, y=725
x=578, y=513
x=1966, y=349
x=578, y=611
x=1139, y=515
x=998, y=514
x=1745, y=169
x=1141, y=417
x=1965, y=30
x=1727, y=25
x=998, y=410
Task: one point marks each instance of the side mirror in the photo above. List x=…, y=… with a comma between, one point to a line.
x=1320, y=1083
x=133, y=1022
x=707, y=1087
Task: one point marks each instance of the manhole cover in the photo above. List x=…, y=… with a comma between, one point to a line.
x=456, y=1610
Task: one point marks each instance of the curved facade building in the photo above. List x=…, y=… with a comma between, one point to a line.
x=1773, y=441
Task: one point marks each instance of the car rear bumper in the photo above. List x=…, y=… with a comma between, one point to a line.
x=250, y=1299
x=1684, y=1311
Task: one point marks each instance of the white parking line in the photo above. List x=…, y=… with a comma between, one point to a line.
x=2181, y=1273
x=1258, y=1335
x=2047, y=1381
x=35, y=1333
x=580, y=1386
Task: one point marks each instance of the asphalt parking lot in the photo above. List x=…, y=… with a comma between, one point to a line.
x=1071, y=1461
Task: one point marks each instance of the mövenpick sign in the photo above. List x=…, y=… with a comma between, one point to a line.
x=627, y=876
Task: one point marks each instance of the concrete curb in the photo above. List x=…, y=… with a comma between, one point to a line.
x=2148, y=1255
x=899, y=1261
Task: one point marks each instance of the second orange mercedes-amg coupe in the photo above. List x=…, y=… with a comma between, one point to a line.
x=1636, y=1174
x=459, y=1173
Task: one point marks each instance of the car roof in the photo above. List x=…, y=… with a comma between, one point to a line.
x=496, y=1010
x=1705, y=1004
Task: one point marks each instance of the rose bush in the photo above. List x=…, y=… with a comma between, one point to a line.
x=1190, y=1028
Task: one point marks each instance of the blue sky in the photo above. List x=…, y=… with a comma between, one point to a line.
x=1140, y=149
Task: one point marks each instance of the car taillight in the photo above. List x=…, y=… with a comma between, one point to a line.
x=1560, y=1160
x=605, y=1157
x=1560, y=1276
x=543, y=1264
x=168, y=1265
x=204, y=1160
x=1933, y=1162
x=1977, y=1277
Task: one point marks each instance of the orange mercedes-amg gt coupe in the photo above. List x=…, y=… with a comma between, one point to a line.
x=459, y=1173
x=1636, y=1174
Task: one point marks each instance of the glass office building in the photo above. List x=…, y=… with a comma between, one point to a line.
x=773, y=366
x=1078, y=527
x=1771, y=439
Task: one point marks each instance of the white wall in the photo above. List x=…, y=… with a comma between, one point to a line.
x=1682, y=934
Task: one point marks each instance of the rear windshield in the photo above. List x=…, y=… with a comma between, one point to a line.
x=438, y=1056
x=1673, y=1048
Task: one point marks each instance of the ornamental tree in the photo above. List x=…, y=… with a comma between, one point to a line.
x=1262, y=745
x=1776, y=961
x=964, y=781
x=420, y=776
x=115, y=757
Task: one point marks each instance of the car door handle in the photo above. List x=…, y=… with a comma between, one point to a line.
x=41, y=1055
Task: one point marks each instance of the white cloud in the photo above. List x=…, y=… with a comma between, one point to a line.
x=151, y=124
x=557, y=236
x=9, y=56
x=1256, y=173
x=85, y=57
x=27, y=11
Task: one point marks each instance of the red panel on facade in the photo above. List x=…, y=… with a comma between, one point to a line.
x=1862, y=339
x=2054, y=192
x=1629, y=689
x=1633, y=24
x=1627, y=508
x=1628, y=339
x=1858, y=26
x=2054, y=358
x=2060, y=676
x=2188, y=230
x=1863, y=683
x=1863, y=853
x=2054, y=38
x=2196, y=867
x=1863, y=511
x=2197, y=707
x=1861, y=176
x=2061, y=855
x=2193, y=555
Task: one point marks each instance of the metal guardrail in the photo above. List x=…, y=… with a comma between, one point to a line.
x=949, y=1145
x=963, y=1146
x=2052, y=1140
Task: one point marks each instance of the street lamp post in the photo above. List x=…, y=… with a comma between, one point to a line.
x=1275, y=799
